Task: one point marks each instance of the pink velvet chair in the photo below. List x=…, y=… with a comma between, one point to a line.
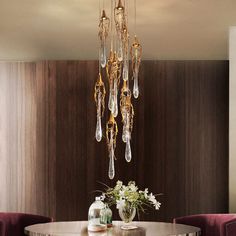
x=211, y=224
x=13, y=224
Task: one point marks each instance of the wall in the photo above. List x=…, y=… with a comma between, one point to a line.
x=52, y=163
x=26, y=153
x=232, y=121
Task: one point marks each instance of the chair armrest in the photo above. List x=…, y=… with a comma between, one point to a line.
x=231, y=228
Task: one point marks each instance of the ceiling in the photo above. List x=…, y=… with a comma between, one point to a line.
x=67, y=29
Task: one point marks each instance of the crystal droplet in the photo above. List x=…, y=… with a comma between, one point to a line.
x=115, y=100
x=119, y=49
x=124, y=136
x=136, y=88
x=111, y=170
x=128, y=155
x=115, y=109
x=136, y=70
x=126, y=133
x=126, y=70
x=103, y=58
x=98, y=130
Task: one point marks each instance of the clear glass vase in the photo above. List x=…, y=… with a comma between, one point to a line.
x=127, y=214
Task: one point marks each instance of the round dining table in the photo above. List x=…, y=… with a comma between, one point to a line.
x=76, y=228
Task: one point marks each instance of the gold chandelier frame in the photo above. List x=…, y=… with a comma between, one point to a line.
x=116, y=68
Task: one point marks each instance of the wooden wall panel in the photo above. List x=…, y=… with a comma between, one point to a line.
x=175, y=171
x=20, y=111
x=27, y=151
x=193, y=137
x=3, y=136
x=45, y=93
x=176, y=145
x=71, y=140
x=154, y=131
x=54, y=164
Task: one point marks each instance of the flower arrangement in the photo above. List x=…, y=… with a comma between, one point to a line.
x=129, y=196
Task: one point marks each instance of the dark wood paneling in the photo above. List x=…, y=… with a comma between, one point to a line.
x=176, y=144
x=45, y=92
x=71, y=140
x=175, y=171
x=179, y=142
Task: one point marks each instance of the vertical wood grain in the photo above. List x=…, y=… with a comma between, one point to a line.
x=3, y=136
x=25, y=125
x=45, y=92
x=175, y=172
x=71, y=140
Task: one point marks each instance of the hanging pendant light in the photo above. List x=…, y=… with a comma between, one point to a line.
x=117, y=69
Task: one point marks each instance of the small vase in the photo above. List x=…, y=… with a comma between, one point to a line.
x=127, y=214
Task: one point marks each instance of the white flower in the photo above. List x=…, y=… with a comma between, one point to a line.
x=151, y=198
x=146, y=193
x=119, y=185
x=125, y=188
x=120, y=203
x=157, y=205
x=154, y=202
x=133, y=188
x=122, y=193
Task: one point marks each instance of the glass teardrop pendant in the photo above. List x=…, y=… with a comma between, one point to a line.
x=103, y=58
x=98, y=134
x=124, y=136
x=115, y=108
x=111, y=170
x=128, y=155
x=136, y=88
x=110, y=101
x=115, y=101
x=119, y=49
x=126, y=70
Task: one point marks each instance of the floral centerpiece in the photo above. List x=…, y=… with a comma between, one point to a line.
x=129, y=200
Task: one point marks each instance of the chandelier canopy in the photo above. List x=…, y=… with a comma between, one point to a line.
x=116, y=67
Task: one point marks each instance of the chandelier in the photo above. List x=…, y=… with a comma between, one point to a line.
x=116, y=66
